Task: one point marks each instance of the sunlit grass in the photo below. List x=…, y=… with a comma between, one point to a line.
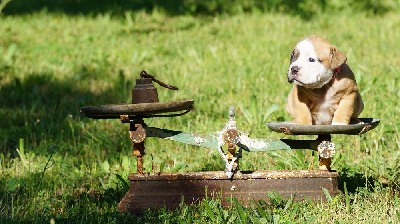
x=51, y=65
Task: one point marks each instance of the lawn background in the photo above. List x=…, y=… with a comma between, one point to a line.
x=58, y=56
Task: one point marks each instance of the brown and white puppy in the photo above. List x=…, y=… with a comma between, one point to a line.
x=325, y=91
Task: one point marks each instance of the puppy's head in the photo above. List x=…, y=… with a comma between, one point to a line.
x=313, y=62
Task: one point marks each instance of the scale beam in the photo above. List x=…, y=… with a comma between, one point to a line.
x=247, y=144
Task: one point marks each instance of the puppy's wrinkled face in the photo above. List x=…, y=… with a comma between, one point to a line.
x=310, y=64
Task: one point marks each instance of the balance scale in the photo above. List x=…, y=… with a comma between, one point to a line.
x=168, y=189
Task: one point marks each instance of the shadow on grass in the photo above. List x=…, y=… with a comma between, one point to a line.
x=354, y=181
x=300, y=8
x=88, y=206
x=86, y=213
x=89, y=216
x=39, y=106
x=118, y=7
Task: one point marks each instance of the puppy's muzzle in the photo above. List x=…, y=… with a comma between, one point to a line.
x=294, y=70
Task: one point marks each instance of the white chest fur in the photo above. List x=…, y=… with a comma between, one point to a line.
x=323, y=106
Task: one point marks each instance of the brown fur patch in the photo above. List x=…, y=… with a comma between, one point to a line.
x=329, y=55
x=321, y=47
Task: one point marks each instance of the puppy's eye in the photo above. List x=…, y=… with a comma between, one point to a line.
x=291, y=57
x=311, y=60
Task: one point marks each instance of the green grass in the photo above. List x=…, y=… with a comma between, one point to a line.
x=57, y=164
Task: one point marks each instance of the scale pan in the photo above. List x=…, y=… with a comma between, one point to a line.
x=290, y=128
x=140, y=109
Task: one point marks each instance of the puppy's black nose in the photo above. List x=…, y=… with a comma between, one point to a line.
x=295, y=70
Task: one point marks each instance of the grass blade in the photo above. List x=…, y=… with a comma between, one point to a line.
x=273, y=108
x=162, y=166
x=346, y=193
x=123, y=181
x=240, y=211
x=208, y=210
x=327, y=195
x=179, y=167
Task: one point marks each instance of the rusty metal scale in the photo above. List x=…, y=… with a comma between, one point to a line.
x=157, y=190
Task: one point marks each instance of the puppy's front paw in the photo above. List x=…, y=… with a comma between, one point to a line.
x=338, y=123
x=303, y=121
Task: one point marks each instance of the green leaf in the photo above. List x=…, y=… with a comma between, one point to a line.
x=260, y=209
x=273, y=108
x=125, y=184
x=247, y=114
x=125, y=163
x=240, y=210
x=179, y=166
x=21, y=146
x=327, y=195
x=10, y=53
x=289, y=203
x=13, y=184
x=105, y=166
x=162, y=166
x=208, y=210
x=276, y=199
x=346, y=193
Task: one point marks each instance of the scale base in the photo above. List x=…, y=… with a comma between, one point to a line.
x=160, y=190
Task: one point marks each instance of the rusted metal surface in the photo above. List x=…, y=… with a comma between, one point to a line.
x=125, y=118
x=139, y=152
x=144, y=102
x=145, y=190
x=326, y=150
x=145, y=75
x=137, y=133
x=231, y=137
x=365, y=129
x=245, y=175
x=144, y=91
x=116, y=110
x=291, y=128
x=139, y=164
x=285, y=131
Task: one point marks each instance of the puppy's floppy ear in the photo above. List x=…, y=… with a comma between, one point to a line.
x=337, y=57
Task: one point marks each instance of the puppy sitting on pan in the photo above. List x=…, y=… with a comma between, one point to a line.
x=325, y=91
